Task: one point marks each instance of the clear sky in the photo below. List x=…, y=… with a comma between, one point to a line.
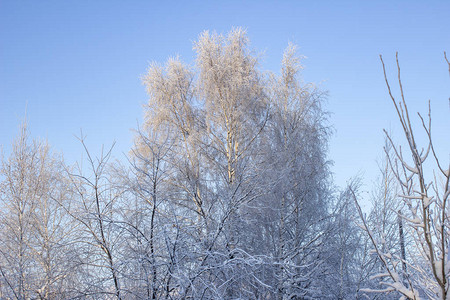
x=77, y=65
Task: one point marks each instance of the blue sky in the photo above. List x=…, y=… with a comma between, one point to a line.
x=77, y=65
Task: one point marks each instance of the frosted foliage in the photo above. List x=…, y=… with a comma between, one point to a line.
x=229, y=80
x=171, y=91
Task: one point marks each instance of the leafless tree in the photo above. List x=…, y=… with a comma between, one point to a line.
x=226, y=120
x=425, y=219
x=34, y=229
x=93, y=207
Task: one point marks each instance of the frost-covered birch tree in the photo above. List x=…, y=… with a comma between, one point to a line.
x=248, y=184
x=425, y=217
x=34, y=230
x=151, y=267
x=297, y=176
x=93, y=207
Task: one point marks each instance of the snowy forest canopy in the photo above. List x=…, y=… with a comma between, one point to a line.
x=226, y=194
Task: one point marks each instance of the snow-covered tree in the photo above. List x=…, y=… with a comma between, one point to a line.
x=424, y=218
x=34, y=230
x=94, y=207
x=249, y=176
